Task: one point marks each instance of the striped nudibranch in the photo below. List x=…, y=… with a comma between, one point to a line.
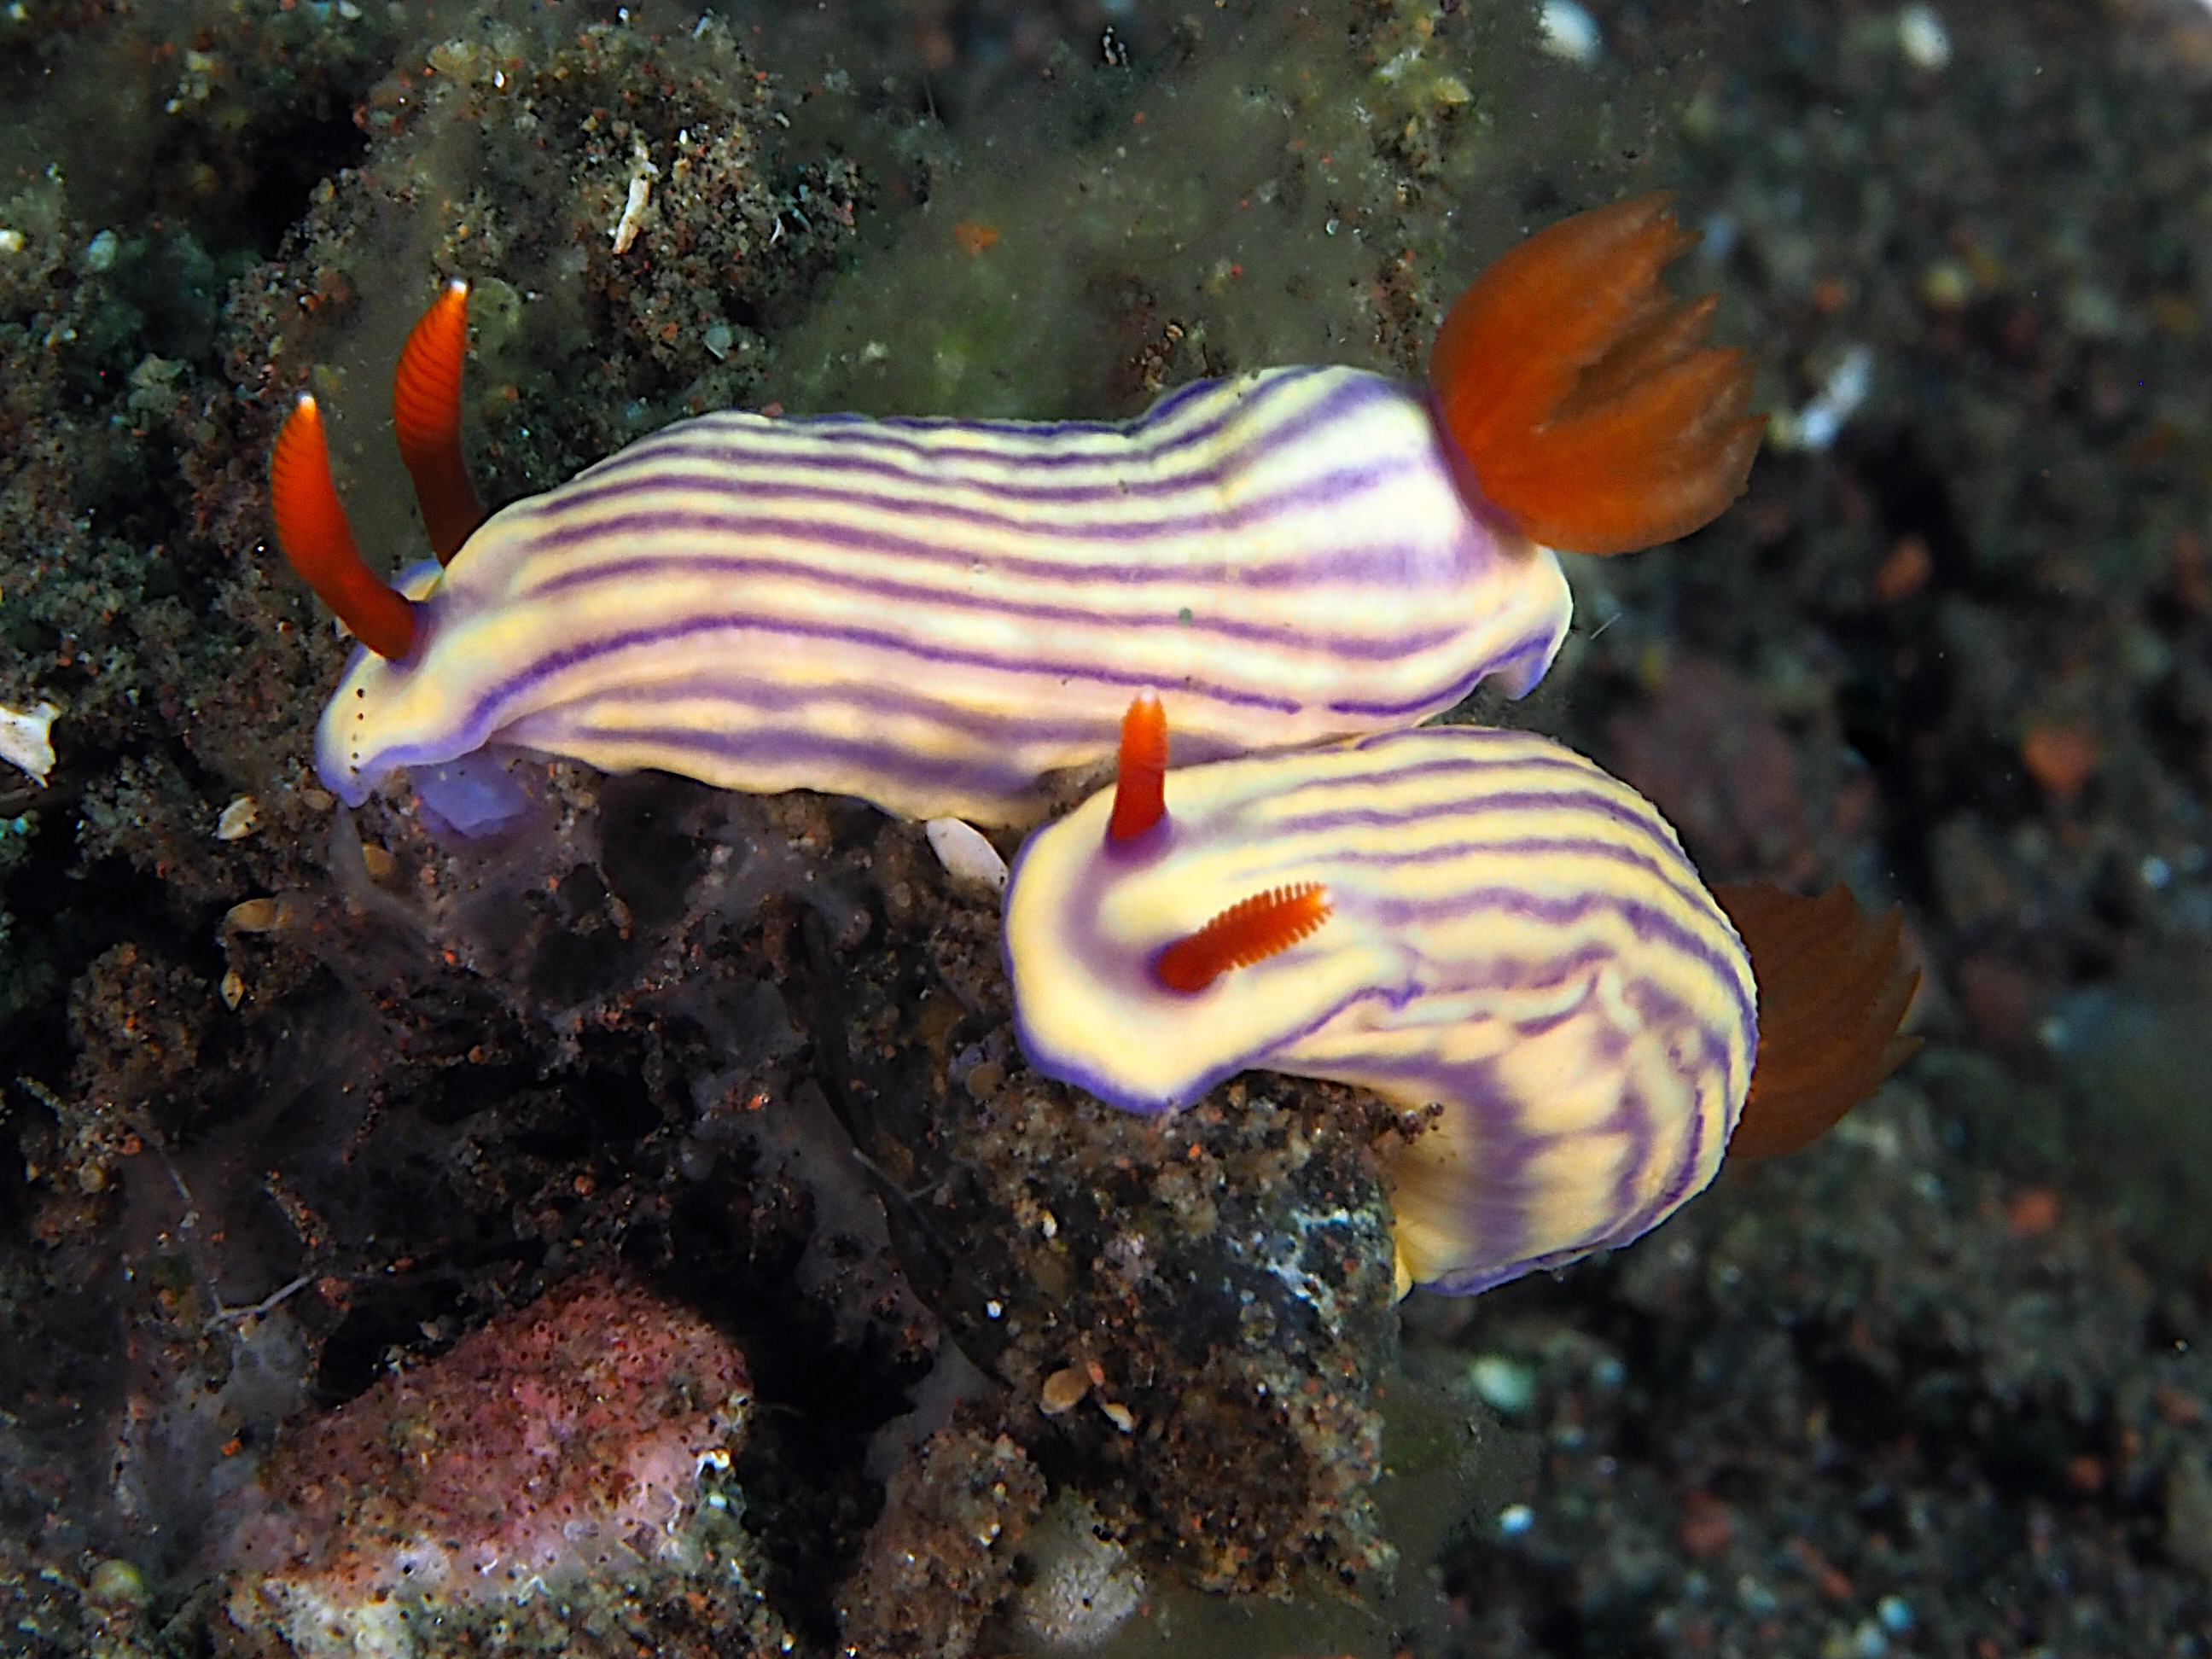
x=931, y=614
x=1511, y=936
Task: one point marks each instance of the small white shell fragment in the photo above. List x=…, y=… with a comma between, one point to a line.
x=1815, y=427
x=965, y=854
x=239, y=819
x=232, y=989
x=1569, y=32
x=642, y=174
x=1922, y=39
x=256, y=915
x=1119, y=1415
x=26, y=741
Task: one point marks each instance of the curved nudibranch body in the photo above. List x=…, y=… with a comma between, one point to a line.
x=1510, y=935
x=931, y=614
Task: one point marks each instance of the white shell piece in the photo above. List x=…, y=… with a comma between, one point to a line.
x=239, y=819
x=25, y=741
x=966, y=856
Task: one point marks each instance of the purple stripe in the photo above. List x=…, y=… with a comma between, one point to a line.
x=483, y=717
x=1596, y=803
x=1691, y=892
x=1539, y=754
x=755, y=514
x=853, y=432
x=870, y=700
x=1445, y=694
x=1647, y=922
x=973, y=773
x=1390, y=648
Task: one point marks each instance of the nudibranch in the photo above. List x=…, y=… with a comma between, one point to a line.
x=1473, y=922
x=931, y=614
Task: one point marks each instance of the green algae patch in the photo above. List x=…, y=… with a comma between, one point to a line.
x=1281, y=186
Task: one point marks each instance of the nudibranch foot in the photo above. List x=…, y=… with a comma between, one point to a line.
x=1581, y=394
x=1831, y=998
x=474, y=796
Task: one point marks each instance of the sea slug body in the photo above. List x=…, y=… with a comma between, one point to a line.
x=932, y=615
x=1483, y=928
x=1512, y=936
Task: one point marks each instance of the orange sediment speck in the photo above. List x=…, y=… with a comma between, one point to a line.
x=974, y=236
x=2060, y=755
x=1249, y=931
x=2031, y=1212
x=1905, y=570
x=1582, y=393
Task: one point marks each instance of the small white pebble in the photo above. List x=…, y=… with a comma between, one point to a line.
x=1922, y=39
x=26, y=738
x=239, y=819
x=965, y=854
x=11, y=241
x=1119, y=1415
x=1515, y=1519
x=1570, y=32
x=717, y=340
x=100, y=252
x=1816, y=426
x=642, y=173
x=1507, y=1384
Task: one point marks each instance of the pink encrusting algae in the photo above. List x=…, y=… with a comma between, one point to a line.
x=563, y=1442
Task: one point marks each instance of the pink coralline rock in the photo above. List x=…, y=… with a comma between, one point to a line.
x=554, y=1482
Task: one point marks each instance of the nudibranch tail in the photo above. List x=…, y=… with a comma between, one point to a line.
x=1141, y=776
x=318, y=541
x=1831, y=997
x=426, y=413
x=1581, y=394
x=1252, y=929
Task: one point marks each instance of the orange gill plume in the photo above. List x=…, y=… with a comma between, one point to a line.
x=1248, y=931
x=426, y=414
x=1831, y=997
x=1582, y=393
x=317, y=541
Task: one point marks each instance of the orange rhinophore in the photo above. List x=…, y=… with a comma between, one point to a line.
x=1140, y=778
x=1581, y=392
x=1248, y=931
x=426, y=413
x=1831, y=996
x=318, y=541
